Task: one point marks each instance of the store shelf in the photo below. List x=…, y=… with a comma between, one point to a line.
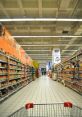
x=3, y=80
x=12, y=64
x=11, y=93
x=3, y=54
x=3, y=68
x=14, y=78
x=13, y=75
x=1, y=61
x=12, y=69
x=18, y=69
x=14, y=86
x=4, y=87
x=3, y=74
x=71, y=72
x=13, y=59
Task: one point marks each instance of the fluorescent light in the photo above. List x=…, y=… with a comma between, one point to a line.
x=64, y=36
x=39, y=19
x=53, y=45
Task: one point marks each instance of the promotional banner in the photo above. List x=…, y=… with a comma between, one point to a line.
x=56, y=57
x=48, y=66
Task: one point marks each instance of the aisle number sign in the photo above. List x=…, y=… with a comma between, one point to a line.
x=56, y=57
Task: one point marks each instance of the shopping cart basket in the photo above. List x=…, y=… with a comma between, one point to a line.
x=65, y=109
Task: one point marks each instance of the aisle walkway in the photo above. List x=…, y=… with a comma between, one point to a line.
x=42, y=90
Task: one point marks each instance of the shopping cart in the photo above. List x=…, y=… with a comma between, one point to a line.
x=65, y=109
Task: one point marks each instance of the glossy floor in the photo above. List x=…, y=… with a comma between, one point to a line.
x=42, y=90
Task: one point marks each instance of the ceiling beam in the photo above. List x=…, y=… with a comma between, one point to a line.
x=45, y=55
x=49, y=45
x=39, y=54
x=68, y=50
x=64, y=4
x=58, y=36
x=74, y=8
x=21, y=6
x=31, y=9
x=32, y=30
x=3, y=9
x=36, y=56
x=31, y=25
x=61, y=40
x=36, y=42
x=64, y=56
x=42, y=59
x=40, y=8
x=78, y=32
x=46, y=50
x=42, y=56
x=38, y=50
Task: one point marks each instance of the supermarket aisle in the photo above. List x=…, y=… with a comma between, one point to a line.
x=42, y=90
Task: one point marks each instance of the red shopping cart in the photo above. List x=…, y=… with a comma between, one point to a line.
x=65, y=109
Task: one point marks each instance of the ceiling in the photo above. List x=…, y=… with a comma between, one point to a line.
x=40, y=48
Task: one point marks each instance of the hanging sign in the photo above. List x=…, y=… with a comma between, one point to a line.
x=56, y=57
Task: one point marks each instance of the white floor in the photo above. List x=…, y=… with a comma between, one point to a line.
x=42, y=90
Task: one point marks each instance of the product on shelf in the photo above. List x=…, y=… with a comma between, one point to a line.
x=70, y=72
x=13, y=75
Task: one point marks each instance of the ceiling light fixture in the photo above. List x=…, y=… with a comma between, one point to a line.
x=39, y=19
x=63, y=36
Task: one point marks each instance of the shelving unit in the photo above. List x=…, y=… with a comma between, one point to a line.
x=13, y=75
x=70, y=73
x=59, y=72
x=3, y=74
x=29, y=74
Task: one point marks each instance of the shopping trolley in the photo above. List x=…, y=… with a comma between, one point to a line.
x=66, y=109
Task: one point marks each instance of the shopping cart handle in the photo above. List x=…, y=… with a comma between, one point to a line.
x=29, y=105
x=68, y=104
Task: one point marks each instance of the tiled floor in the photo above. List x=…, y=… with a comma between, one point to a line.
x=42, y=90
